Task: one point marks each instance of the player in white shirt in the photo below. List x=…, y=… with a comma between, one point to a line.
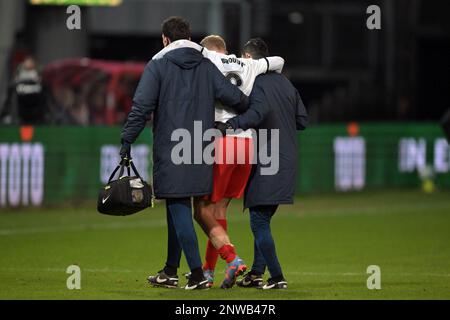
x=230, y=176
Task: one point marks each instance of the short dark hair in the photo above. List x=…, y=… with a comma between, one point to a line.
x=257, y=48
x=176, y=28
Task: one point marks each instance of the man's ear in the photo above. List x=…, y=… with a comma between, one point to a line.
x=165, y=41
x=246, y=56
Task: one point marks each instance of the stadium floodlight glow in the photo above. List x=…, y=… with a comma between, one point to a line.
x=108, y=3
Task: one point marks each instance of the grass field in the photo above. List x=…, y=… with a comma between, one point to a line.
x=324, y=242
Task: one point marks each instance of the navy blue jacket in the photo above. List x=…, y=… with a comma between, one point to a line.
x=274, y=104
x=179, y=89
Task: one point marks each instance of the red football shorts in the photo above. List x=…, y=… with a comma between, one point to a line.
x=232, y=167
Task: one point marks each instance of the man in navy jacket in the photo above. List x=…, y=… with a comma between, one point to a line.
x=180, y=90
x=275, y=105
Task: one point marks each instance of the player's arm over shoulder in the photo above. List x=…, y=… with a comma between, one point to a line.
x=264, y=65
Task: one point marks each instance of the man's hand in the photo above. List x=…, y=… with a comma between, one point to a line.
x=222, y=127
x=125, y=154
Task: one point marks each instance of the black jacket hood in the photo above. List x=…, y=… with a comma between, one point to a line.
x=186, y=58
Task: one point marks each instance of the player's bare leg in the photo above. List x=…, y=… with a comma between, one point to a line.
x=219, y=243
x=220, y=214
x=220, y=209
x=205, y=216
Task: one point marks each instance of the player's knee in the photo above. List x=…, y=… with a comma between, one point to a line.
x=220, y=213
x=220, y=208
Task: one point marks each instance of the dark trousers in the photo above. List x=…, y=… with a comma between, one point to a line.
x=181, y=234
x=264, y=245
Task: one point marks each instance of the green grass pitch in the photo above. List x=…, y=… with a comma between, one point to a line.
x=325, y=244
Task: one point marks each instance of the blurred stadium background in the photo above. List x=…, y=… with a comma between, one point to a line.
x=375, y=99
x=374, y=96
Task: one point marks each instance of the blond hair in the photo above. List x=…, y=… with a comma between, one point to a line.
x=214, y=42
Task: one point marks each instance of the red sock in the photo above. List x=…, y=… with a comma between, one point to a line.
x=212, y=255
x=227, y=253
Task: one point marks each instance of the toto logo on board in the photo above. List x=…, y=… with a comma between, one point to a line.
x=21, y=174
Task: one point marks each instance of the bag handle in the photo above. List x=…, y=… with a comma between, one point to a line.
x=125, y=163
x=114, y=173
x=134, y=170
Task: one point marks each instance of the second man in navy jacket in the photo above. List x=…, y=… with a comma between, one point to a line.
x=276, y=109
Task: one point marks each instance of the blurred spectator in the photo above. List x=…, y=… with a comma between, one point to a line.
x=26, y=98
x=29, y=93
